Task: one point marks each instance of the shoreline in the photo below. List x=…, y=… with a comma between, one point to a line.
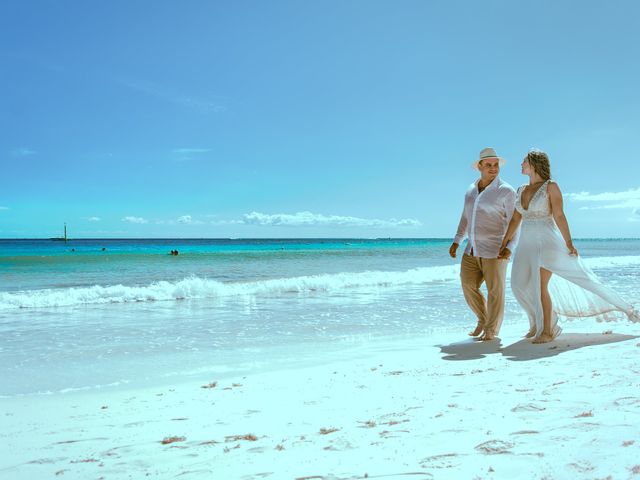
x=434, y=407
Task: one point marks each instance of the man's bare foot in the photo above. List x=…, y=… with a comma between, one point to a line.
x=544, y=338
x=476, y=332
x=487, y=337
x=531, y=333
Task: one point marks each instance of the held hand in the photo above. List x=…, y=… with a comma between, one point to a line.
x=504, y=254
x=452, y=250
x=572, y=250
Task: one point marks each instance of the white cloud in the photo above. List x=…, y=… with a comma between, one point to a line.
x=93, y=219
x=606, y=196
x=22, y=152
x=227, y=222
x=203, y=104
x=184, y=220
x=188, y=220
x=316, y=219
x=220, y=222
x=188, y=151
x=185, y=154
x=131, y=219
x=629, y=199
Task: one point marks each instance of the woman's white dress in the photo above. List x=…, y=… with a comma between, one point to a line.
x=574, y=289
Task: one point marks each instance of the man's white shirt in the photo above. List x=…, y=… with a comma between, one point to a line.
x=485, y=218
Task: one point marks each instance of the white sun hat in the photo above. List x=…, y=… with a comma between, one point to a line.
x=488, y=153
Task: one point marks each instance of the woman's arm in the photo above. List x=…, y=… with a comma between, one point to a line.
x=511, y=230
x=555, y=197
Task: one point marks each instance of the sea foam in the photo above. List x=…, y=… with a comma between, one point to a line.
x=196, y=287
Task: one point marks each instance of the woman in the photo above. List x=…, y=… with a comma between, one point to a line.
x=546, y=248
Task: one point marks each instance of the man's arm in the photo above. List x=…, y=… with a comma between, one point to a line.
x=461, y=233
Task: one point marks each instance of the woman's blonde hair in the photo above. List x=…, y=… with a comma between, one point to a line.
x=539, y=161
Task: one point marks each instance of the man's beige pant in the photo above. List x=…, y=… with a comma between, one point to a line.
x=474, y=271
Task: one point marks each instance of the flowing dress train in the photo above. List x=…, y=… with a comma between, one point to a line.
x=574, y=289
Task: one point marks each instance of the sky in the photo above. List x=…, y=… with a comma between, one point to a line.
x=239, y=119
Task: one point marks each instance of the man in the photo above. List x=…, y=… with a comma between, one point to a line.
x=488, y=207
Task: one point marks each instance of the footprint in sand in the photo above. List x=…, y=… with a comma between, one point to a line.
x=525, y=432
x=495, y=447
x=82, y=440
x=135, y=424
x=257, y=450
x=337, y=445
x=627, y=402
x=582, y=468
x=446, y=460
x=527, y=407
x=41, y=461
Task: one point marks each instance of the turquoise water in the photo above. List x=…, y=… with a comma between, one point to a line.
x=73, y=316
x=33, y=264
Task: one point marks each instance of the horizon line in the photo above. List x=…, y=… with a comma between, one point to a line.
x=52, y=239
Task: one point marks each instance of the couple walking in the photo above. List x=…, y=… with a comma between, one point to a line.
x=495, y=219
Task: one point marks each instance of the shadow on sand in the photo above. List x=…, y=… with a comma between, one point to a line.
x=525, y=350
x=522, y=350
x=470, y=349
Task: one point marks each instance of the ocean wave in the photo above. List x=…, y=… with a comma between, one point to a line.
x=612, y=262
x=198, y=288
x=68, y=389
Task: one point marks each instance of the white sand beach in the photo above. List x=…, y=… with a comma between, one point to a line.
x=445, y=408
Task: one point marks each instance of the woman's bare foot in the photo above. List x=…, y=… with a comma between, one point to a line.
x=544, y=338
x=487, y=337
x=531, y=333
x=476, y=332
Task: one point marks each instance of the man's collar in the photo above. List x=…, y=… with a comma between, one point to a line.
x=495, y=183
